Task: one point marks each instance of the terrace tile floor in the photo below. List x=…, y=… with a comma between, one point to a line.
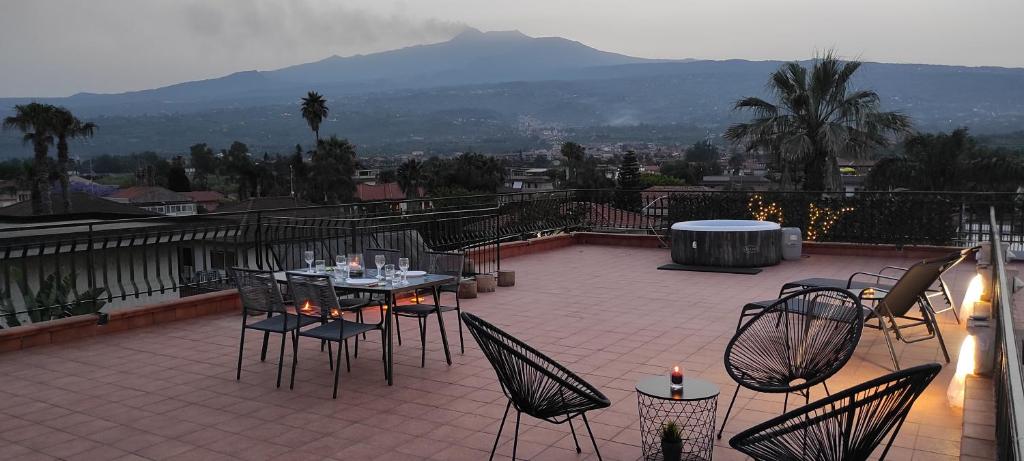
x=168, y=392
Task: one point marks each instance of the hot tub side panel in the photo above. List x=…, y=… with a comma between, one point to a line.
x=727, y=248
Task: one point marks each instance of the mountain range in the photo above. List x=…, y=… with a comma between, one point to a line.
x=494, y=91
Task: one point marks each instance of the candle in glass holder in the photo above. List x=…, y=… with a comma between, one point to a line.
x=677, y=378
x=355, y=265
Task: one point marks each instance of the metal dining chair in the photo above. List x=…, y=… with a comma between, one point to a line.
x=260, y=297
x=317, y=292
x=449, y=263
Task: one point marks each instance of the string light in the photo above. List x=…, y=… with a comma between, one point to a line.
x=821, y=219
x=762, y=212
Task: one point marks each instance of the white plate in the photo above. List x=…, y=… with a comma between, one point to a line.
x=416, y=273
x=360, y=281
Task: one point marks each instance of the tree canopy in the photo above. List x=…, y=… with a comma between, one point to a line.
x=815, y=118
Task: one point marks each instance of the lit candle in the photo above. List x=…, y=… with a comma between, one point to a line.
x=677, y=378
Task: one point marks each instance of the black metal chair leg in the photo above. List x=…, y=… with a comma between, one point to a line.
x=574, y=439
x=280, y=359
x=266, y=339
x=592, y=439
x=359, y=318
x=729, y=410
x=462, y=344
x=337, y=371
x=295, y=356
x=826, y=388
x=502, y=426
x=398, y=330
x=330, y=355
x=348, y=366
x=515, y=440
x=785, y=402
x=423, y=341
x=241, y=345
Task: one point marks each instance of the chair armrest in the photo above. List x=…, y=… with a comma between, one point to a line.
x=893, y=268
x=878, y=278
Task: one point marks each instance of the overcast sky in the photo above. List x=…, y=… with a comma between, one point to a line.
x=59, y=47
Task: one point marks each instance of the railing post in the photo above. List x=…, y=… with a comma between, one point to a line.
x=259, y=239
x=91, y=270
x=497, y=237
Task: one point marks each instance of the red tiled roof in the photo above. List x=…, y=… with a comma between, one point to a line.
x=149, y=194
x=386, y=191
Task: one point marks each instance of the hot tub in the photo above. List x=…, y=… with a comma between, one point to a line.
x=727, y=243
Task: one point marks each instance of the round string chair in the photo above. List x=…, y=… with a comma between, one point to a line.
x=798, y=342
x=848, y=425
x=533, y=383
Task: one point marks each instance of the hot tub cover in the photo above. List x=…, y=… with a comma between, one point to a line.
x=726, y=225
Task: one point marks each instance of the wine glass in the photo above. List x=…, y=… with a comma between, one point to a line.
x=308, y=256
x=403, y=264
x=379, y=261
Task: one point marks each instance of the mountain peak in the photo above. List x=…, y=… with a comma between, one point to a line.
x=472, y=34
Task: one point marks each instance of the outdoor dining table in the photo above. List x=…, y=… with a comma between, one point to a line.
x=390, y=290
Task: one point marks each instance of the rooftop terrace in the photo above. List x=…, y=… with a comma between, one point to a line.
x=605, y=312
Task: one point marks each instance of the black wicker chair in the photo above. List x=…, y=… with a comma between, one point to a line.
x=848, y=425
x=261, y=296
x=796, y=343
x=318, y=291
x=534, y=383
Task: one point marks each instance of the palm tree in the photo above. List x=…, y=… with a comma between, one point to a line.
x=411, y=178
x=67, y=126
x=817, y=118
x=314, y=110
x=36, y=121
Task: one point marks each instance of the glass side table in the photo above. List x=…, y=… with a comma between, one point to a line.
x=693, y=409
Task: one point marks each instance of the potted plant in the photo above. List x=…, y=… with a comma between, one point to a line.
x=671, y=442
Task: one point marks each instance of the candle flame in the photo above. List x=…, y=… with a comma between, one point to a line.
x=675, y=369
x=335, y=313
x=306, y=307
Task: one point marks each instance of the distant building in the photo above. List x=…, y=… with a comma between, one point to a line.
x=736, y=182
x=209, y=200
x=81, y=204
x=652, y=197
x=528, y=180
x=365, y=175
x=156, y=199
x=366, y=192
